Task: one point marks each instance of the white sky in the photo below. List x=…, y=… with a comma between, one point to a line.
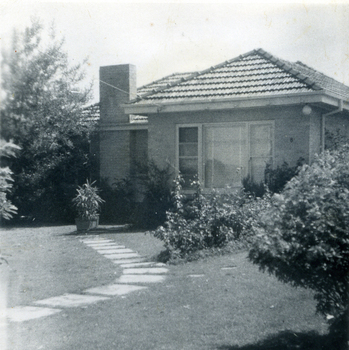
x=163, y=38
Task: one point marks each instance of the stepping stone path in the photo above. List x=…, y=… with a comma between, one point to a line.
x=137, y=274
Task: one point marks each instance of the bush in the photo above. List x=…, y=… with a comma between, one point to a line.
x=200, y=222
x=154, y=183
x=119, y=202
x=274, y=179
x=140, y=200
x=303, y=237
x=7, y=209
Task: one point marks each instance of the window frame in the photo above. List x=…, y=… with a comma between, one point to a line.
x=199, y=126
x=201, y=149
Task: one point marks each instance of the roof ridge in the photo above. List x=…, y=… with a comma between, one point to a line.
x=288, y=67
x=307, y=77
x=138, y=98
x=333, y=80
x=163, y=78
x=191, y=76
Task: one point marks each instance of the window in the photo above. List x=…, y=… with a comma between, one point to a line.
x=261, y=150
x=188, y=153
x=224, y=154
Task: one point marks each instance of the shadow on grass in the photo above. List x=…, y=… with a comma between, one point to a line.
x=288, y=340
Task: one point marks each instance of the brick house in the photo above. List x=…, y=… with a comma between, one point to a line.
x=223, y=123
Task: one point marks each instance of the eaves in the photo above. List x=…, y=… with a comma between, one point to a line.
x=319, y=97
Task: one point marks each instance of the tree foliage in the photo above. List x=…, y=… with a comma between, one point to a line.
x=7, y=209
x=303, y=238
x=43, y=97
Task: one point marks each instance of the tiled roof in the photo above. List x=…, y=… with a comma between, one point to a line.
x=161, y=83
x=91, y=113
x=256, y=73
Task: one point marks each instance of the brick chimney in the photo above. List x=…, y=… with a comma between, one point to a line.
x=117, y=85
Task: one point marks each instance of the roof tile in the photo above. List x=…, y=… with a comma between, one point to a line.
x=256, y=73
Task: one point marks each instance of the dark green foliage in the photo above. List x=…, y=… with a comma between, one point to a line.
x=303, y=237
x=156, y=192
x=274, y=179
x=7, y=209
x=42, y=112
x=335, y=139
x=119, y=201
x=141, y=200
x=255, y=189
x=198, y=222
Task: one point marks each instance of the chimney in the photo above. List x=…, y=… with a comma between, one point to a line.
x=117, y=86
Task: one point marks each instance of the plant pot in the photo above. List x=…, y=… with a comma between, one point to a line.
x=86, y=224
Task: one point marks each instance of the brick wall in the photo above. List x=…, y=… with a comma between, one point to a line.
x=117, y=86
x=114, y=154
x=295, y=135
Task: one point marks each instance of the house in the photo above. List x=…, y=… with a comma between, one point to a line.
x=223, y=123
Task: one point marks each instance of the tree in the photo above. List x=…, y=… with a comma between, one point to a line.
x=7, y=209
x=41, y=111
x=303, y=239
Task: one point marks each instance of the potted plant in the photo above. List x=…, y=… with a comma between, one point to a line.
x=87, y=203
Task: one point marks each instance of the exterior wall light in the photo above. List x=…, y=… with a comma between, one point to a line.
x=306, y=110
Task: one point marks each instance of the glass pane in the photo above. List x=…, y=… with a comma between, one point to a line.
x=258, y=166
x=188, y=134
x=225, y=152
x=188, y=149
x=261, y=148
x=188, y=166
x=261, y=140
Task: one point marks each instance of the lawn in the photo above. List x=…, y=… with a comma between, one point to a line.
x=222, y=303
x=226, y=300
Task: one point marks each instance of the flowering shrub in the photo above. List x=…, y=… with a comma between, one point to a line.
x=303, y=236
x=205, y=221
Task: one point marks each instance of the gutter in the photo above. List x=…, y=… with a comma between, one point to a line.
x=323, y=122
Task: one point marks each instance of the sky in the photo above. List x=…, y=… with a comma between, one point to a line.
x=162, y=38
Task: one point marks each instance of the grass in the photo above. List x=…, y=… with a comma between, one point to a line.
x=219, y=302
x=227, y=302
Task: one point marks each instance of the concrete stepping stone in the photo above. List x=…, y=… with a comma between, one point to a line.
x=228, y=267
x=128, y=261
x=111, y=246
x=102, y=245
x=141, y=279
x=115, y=251
x=145, y=270
x=114, y=289
x=88, y=241
x=121, y=256
x=70, y=300
x=195, y=276
x=142, y=264
x=26, y=313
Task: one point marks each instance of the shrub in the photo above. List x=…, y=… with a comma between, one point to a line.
x=119, y=201
x=154, y=183
x=7, y=209
x=141, y=200
x=200, y=222
x=303, y=237
x=274, y=179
